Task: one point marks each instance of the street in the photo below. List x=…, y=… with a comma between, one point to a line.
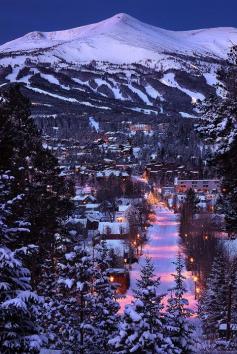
x=162, y=246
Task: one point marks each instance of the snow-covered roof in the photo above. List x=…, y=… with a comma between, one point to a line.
x=92, y=205
x=123, y=208
x=117, y=245
x=107, y=173
x=94, y=215
x=74, y=220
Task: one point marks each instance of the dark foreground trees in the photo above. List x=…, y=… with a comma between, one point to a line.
x=36, y=175
x=34, y=201
x=179, y=327
x=19, y=304
x=218, y=128
x=147, y=327
x=218, y=304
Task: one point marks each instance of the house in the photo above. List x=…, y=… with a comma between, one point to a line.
x=81, y=200
x=198, y=185
x=119, y=277
x=167, y=191
x=118, y=246
x=113, y=230
x=207, y=201
x=120, y=215
x=223, y=329
x=106, y=174
x=141, y=128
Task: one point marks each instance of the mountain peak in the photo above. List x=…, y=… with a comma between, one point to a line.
x=124, y=39
x=121, y=17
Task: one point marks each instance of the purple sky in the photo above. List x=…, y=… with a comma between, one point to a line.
x=18, y=17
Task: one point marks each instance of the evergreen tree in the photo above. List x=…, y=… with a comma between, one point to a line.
x=36, y=175
x=19, y=305
x=212, y=303
x=227, y=164
x=189, y=208
x=71, y=308
x=104, y=308
x=179, y=327
x=218, y=304
x=218, y=128
x=141, y=330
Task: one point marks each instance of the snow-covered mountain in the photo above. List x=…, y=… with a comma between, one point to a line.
x=121, y=39
x=119, y=65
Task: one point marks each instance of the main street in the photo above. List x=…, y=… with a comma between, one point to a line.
x=162, y=246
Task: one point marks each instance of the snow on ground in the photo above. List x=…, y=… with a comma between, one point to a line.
x=50, y=78
x=162, y=247
x=94, y=124
x=142, y=96
x=211, y=78
x=187, y=115
x=169, y=80
x=153, y=93
x=69, y=99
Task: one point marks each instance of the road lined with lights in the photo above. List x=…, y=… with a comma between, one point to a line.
x=162, y=247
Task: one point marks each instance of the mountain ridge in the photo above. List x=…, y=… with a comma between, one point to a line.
x=122, y=31
x=117, y=68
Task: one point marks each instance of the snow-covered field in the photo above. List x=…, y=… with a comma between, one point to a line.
x=162, y=247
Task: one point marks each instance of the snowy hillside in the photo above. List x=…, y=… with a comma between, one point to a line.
x=127, y=39
x=117, y=66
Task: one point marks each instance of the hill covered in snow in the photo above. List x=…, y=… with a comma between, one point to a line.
x=121, y=39
x=117, y=66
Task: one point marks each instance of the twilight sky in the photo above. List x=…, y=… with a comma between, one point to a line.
x=18, y=17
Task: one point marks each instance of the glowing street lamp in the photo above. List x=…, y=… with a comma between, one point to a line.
x=111, y=279
x=198, y=290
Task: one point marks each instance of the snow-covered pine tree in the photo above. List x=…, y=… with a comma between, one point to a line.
x=19, y=305
x=179, y=327
x=218, y=128
x=227, y=163
x=70, y=310
x=213, y=302
x=36, y=175
x=188, y=210
x=142, y=328
x=104, y=311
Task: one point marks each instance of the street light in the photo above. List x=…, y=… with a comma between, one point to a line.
x=195, y=279
x=198, y=290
